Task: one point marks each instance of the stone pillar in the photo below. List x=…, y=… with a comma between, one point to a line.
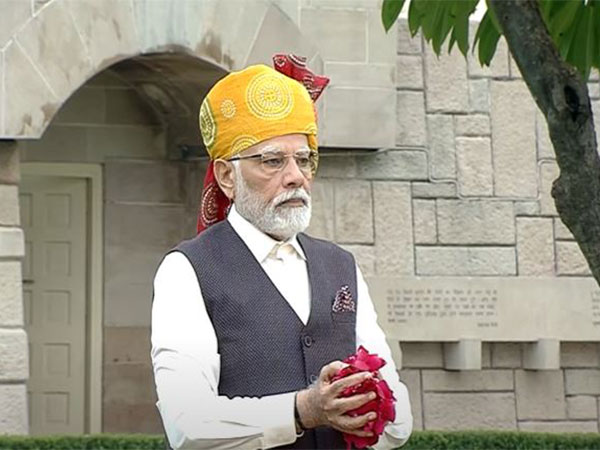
x=14, y=367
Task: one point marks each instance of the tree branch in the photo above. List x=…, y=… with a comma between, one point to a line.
x=563, y=98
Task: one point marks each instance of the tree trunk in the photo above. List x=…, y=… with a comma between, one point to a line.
x=562, y=96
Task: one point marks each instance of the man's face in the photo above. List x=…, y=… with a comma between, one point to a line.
x=275, y=201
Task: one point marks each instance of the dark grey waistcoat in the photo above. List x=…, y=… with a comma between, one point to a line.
x=265, y=348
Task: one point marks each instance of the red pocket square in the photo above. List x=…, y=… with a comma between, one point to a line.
x=343, y=301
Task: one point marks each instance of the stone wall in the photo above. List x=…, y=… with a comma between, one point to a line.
x=465, y=192
x=503, y=395
x=14, y=361
x=106, y=122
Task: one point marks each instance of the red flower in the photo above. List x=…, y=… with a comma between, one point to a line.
x=383, y=404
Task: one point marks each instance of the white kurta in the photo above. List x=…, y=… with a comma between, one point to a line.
x=186, y=362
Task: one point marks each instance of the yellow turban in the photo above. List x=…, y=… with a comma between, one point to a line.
x=254, y=104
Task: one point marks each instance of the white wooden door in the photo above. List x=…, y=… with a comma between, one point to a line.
x=53, y=216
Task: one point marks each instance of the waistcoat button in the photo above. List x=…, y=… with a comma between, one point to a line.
x=308, y=341
x=313, y=378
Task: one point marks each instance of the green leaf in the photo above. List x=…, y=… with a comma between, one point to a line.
x=460, y=33
x=416, y=13
x=390, y=10
x=494, y=19
x=486, y=38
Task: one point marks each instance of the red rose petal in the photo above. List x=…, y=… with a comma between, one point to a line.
x=383, y=404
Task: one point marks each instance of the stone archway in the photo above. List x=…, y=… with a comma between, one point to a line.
x=50, y=49
x=65, y=43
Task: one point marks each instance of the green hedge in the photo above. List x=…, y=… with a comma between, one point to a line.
x=430, y=440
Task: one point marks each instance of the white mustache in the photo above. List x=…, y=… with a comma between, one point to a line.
x=294, y=194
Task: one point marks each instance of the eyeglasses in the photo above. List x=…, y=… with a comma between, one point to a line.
x=273, y=161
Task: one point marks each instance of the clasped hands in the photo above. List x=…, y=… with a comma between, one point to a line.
x=320, y=405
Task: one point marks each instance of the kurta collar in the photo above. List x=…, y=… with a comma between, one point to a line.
x=260, y=244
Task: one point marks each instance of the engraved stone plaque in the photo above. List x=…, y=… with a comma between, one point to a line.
x=490, y=308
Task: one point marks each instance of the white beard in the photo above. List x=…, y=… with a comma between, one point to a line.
x=281, y=222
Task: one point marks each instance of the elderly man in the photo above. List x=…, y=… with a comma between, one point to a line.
x=251, y=318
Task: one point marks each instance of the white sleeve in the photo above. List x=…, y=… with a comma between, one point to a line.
x=186, y=372
x=370, y=335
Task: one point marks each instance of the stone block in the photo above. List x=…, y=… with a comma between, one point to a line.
x=381, y=44
x=148, y=182
x=412, y=380
x=482, y=380
x=128, y=304
x=543, y=354
x=570, y=260
x=361, y=75
x=12, y=244
x=582, y=381
x=59, y=143
x=474, y=164
x=549, y=172
x=11, y=289
x=126, y=419
x=434, y=190
x=535, y=246
x=540, y=395
x=406, y=43
x=472, y=125
x=13, y=404
x=446, y=81
x=475, y=222
x=425, y=224
x=489, y=411
x=422, y=355
x=363, y=118
x=86, y=106
x=161, y=225
x=560, y=427
x=479, y=96
x=467, y=261
x=128, y=384
x=114, y=21
x=9, y=199
x=9, y=163
x=442, y=155
x=545, y=149
x=513, y=134
x=594, y=90
x=347, y=41
x=409, y=72
x=14, y=14
x=513, y=68
x=340, y=165
x=463, y=355
x=276, y=31
x=126, y=107
x=353, y=212
x=580, y=354
x=499, y=66
x=393, y=165
x=393, y=228
x=581, y=407
x=322, y=220
x=127, y=142
x=527, y=208
x=61, y=57
x=127, y=345
x=410, y=117
x=486, y=355
x=506, y=355
x=31, y=102
x=14, y=355
x=561, y=232
x=364, y=256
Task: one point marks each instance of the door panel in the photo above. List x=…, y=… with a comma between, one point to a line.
x=53, y=216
